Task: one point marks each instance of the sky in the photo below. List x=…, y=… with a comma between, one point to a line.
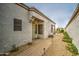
x=59, y=13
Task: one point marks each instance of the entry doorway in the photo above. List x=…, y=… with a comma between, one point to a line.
x=37, y=29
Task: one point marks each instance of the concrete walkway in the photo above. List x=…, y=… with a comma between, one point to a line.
x=53, y=47
x=58, y=47
x=36, y=49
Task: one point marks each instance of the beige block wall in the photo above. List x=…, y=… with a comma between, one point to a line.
x=73, y=30
x=47, y=24
x=8, y=36
x=48, y=28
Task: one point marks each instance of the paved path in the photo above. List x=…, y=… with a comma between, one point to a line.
x=36, y=49
x=57, y=47
x=54, y=47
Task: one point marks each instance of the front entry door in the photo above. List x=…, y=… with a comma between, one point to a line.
x=37, y=31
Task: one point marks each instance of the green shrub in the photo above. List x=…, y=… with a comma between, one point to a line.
x=61, y=31
x=72, y=48
x=67, y=38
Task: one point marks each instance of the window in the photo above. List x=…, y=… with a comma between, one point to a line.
x=40, y=29
x=17, y=25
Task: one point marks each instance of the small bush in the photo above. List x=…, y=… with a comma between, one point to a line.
x=61, y=31
x=72, y=48
x=67, y=38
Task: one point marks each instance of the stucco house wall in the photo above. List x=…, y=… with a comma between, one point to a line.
x=73, y=29
x=47, y=23
x=47, y=28
x=9, y=37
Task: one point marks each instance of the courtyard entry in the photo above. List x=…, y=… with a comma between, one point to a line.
x=37, y=28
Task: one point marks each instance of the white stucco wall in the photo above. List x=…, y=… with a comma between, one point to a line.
x=47, y=23
x=73, y=30
x=8, y=36
x=47, y=28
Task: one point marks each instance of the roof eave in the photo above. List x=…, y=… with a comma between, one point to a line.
x=74, y=14
x=37, y=11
